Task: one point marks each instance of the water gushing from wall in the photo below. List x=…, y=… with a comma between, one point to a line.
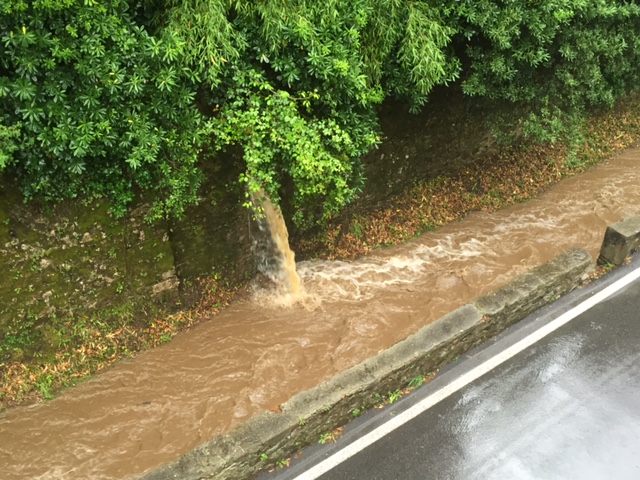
x=275, y=258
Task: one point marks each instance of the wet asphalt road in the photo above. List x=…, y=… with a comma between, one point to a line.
x=567, y=407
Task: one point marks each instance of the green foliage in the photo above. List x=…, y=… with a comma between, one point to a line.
x=100, y=97
x=101, y=105
x=416, y=382
x=319, y=154
x=556, y=58
x=297, y=83
x=394, y=396
x=8, y=137
x=422, y=55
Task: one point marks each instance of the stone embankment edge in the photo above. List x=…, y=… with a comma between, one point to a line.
x=237, y=455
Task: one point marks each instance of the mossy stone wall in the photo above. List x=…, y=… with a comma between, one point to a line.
x=450, y=134
x=215, y=237
x=70, y=261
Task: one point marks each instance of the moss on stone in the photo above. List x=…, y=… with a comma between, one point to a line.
x=72, y=258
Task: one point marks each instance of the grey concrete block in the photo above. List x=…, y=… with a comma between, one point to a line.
x=442, y=330
x=237, y=443
x=271, y=427
x=534, y=289
x=620, y=240
x=196, y=464
x=318, y=398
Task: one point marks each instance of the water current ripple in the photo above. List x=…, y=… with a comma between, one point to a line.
x=146, y=412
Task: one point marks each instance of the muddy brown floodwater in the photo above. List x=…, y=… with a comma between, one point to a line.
x=256, y=355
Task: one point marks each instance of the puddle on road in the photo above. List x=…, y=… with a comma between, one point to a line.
x=253, y=356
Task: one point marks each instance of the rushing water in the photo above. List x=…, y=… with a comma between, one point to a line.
x=278, y=263
x=255, y=355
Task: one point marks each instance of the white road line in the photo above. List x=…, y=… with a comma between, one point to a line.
x=428, y=402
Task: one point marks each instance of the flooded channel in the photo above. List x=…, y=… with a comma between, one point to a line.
x=255, y=355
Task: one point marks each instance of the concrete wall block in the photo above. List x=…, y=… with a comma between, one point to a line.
x=270, y=427
x=620, y=240
x=533, y=290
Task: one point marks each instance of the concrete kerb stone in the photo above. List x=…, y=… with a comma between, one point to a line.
x=317, y=399
x=238, y=454
x=271, y=427
x=422, y=348
x=533, y=290
x=620, y=240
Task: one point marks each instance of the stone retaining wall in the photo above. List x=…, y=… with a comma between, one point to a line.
x=73, y=260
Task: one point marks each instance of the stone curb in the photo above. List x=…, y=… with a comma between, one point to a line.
x=237, y=455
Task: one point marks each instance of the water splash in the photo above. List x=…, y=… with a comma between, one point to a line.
x=287, y=275
x=275, y=258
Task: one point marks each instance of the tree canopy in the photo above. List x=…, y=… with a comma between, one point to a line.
x=100, y=98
